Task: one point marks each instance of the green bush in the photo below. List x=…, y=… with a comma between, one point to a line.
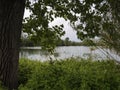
x=26, y=68
x=69, y=74
x=2, y=87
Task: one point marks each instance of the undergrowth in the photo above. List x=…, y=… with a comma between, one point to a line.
x=69, y=74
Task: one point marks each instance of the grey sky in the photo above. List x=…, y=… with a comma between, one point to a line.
x=68, y=29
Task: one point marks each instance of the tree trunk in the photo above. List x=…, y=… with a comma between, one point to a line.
x=11, y=15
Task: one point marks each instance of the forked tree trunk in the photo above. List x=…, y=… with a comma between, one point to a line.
x=11, y=15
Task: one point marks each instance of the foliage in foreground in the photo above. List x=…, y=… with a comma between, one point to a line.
x=69, y=74
x=95, y=18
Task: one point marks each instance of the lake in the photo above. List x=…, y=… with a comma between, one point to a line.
x=62, y=52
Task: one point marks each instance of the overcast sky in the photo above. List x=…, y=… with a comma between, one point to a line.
x=68, y=29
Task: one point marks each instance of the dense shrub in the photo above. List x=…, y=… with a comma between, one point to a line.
x=2, y=87
x=26, y=67
x=69, y=74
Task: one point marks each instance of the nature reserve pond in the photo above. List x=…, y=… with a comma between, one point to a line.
x=62, y=52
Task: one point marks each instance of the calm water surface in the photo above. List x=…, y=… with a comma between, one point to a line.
x=35, y=53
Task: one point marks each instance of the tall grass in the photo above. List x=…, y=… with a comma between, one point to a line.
x=69, y=74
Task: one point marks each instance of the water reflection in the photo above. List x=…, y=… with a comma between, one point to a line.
x=36, y=53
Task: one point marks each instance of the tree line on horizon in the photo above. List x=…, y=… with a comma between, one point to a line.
x=27, y=42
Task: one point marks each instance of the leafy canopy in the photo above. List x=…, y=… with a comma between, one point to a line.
x=99, y=18
x=42, y=13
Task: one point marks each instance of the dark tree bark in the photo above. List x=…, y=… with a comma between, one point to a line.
x=11, y=15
